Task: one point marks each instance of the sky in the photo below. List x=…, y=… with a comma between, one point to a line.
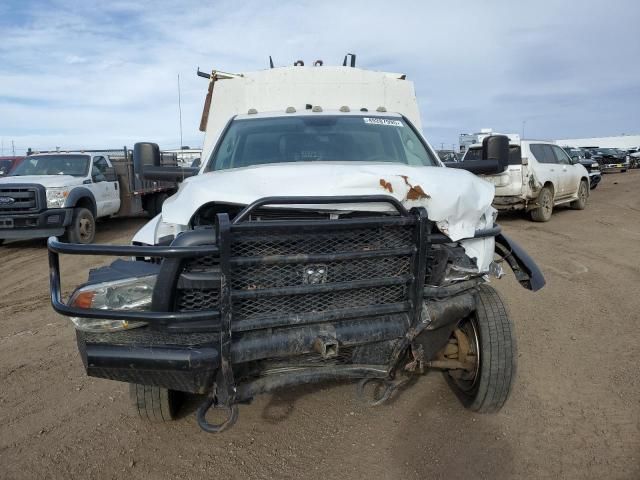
x=82, y=73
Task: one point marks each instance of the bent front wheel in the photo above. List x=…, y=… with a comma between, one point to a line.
x=487, y=341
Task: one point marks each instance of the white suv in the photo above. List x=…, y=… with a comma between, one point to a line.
x=540, y=175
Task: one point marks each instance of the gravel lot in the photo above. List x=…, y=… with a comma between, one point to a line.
x=574, y=411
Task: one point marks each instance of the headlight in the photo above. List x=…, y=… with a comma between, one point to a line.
x=595, y=165
x=127, y=294
x=56, y=197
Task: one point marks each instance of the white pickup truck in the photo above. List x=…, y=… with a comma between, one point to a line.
x=540, y=176
x=56, y=193
x=320, y=240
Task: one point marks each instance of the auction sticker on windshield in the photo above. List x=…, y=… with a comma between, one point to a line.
x=383, y=121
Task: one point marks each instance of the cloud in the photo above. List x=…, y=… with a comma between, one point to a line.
x=86, y=73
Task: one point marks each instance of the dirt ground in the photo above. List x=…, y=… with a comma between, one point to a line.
x=574, y=411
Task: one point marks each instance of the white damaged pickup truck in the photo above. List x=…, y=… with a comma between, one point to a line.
x=321, y=240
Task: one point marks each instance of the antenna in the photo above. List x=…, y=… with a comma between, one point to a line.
x=270, y=62
x=180, y=109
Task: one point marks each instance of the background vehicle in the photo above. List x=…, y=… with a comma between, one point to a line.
x=8, y=163
x=634, y=157
x=56, y=193
x=584, y=157
x=540, y=176
x=610, y=159
x=314, y=244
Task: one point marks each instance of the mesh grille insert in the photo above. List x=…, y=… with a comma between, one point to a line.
x=318, y=302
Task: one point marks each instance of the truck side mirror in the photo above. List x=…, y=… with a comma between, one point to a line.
x=148, y=165
x=495, y=157
x=496, y=149
x=145, y=154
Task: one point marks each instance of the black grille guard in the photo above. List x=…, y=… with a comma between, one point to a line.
x=224, y=390
x=224, y=230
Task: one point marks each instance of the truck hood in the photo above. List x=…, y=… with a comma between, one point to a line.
x=458, y=200
x=47, y=181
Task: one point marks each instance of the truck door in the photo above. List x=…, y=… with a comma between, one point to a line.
x=105, y=192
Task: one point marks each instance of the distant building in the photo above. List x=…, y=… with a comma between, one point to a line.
x=468, y=139
x=620, y=141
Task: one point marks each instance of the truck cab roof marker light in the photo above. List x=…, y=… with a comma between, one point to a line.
x=316, y=108
x=345, y=108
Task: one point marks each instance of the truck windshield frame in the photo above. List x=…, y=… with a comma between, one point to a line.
x=249, y=142
x=73, y=165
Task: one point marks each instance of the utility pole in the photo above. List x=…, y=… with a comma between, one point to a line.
x=13, y=148
x=524, y=122
x=180, y=110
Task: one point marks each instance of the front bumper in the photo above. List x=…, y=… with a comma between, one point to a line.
x=35, y=225
x=614, y=167
x=594, y=179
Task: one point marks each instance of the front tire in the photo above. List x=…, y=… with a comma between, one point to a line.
x=82, y=228
x=491, y=337
x=154, y=404
x=542, y=213
x=583, y=194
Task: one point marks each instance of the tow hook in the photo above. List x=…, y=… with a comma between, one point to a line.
x=231, y=419
x=379, y=397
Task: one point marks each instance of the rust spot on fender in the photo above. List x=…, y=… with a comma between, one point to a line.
x=386, y=185
x=415, y=191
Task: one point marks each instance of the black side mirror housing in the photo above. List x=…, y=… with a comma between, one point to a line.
x=495, y=157
x=147, y=163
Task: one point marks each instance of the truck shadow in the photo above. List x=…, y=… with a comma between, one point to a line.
x=438, y=438
x=280, y=404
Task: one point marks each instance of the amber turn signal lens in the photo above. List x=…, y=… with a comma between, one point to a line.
x=84, y=299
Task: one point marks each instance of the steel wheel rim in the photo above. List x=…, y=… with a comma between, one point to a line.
x=546, y=203
x=467, y=381
x=85, y=229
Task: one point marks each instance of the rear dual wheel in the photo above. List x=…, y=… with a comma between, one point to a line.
x=154, y=204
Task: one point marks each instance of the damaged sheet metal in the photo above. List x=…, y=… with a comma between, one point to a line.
x=459, y=201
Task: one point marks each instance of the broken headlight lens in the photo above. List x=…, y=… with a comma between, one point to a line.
x=128, y=294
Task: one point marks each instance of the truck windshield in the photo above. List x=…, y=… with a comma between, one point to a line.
x=75, y=165
x=322, y=138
